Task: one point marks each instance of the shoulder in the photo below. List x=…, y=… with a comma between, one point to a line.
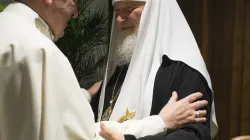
x=24, y=43
x=21, y=49
x=180, y=68
x=181, y=73
x=15, y=30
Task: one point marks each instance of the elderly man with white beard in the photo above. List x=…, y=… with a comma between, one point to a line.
x=153, y=53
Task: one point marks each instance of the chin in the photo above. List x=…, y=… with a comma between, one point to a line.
x=61, y=34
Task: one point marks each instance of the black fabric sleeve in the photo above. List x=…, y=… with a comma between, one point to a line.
x=130, y=137
x=177, y=76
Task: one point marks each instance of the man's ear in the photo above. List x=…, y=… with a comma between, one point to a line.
x=49, y=2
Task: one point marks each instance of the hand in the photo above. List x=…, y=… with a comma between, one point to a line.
x=94, y=89
x=176, y=114
x=109, y=134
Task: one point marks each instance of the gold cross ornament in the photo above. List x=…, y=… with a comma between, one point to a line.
x=127, y=116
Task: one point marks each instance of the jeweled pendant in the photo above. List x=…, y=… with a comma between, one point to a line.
x=107, y=114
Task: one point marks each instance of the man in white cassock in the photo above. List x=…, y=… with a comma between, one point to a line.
x=40, y=98
x=153, y=53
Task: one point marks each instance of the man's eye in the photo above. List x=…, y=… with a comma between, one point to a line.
x=130, y=8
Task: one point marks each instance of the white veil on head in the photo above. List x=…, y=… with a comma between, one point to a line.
x=114, y=1
x=163, y=30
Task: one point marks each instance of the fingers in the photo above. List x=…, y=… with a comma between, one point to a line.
x=200, y=120
x=192, y=118
x=202, y=116
x=173, y=98
x=193, y=97
x=203, y=113
x=103, y=135
x=94, y=88
x=103, y=127
x=108, y=134
x=105, y=132
x=199, y=104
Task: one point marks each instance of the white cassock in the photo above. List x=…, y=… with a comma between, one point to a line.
x=40, y=98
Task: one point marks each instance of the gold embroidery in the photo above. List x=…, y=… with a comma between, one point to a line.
x=127, y=116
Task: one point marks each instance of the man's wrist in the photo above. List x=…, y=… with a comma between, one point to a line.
x=162, y=123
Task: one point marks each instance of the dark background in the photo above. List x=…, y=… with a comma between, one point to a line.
x=222, y=30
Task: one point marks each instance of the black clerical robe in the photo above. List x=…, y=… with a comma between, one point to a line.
x=171, y=76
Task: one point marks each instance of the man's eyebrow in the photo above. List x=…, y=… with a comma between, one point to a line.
x=136, y=3
x=132, y=3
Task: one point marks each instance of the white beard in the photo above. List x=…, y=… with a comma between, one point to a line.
x=125, y=44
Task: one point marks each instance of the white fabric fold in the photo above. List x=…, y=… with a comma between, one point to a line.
x=86, y=94
x=114, y=1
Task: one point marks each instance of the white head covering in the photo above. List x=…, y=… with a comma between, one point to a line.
x=114, y=1
x=163, y=30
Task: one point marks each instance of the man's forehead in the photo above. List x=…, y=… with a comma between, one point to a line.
x=121, y=3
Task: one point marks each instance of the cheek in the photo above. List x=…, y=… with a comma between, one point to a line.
x=134, y=18
x=65, y=7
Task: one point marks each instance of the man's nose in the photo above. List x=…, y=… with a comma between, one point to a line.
x=121, y=19
x=75, y=13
